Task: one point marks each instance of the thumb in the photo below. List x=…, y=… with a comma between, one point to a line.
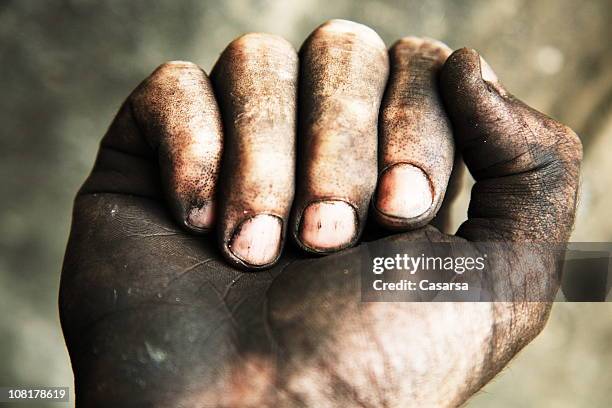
x=526, y=165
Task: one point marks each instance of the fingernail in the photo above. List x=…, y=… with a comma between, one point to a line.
x=404, y=191
x=328, y=225
x=486, y=72
x=201, y=217
x=257, y=240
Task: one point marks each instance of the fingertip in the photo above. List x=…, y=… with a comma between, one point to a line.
x=257, y=241
x=467, y=66
x=404, y=191
x=490, y=77
x=327, y=226
x=461, y=65
x=200, y=219
x=465, y=54
x=469, y=86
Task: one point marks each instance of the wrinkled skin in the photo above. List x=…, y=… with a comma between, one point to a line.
x=156, y=316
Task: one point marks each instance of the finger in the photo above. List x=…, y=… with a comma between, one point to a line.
x=255, y=81
x=443, y=220
x=344, y=68
x=525, y=164
x=172, y=118
x=416, y=144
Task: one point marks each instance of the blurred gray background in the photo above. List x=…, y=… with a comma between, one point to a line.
x=67, y=65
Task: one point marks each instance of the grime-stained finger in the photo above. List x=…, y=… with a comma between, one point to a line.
x=176, y=111
x=343, y=71
x=255, y=81
x=416, y=148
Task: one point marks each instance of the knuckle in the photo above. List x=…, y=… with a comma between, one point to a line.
x=407, y=46
x=566, y=149
x=166, y=79
x=174, y=70
x=351, y=31
x=176, y=64
x=424, y=44
x=423, y=52
x=436, y=44
x=555, y=179
x=253, y=43
x=573, y=144
x=409, y=41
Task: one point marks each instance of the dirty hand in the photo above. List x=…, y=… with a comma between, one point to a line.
x=259, y=157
